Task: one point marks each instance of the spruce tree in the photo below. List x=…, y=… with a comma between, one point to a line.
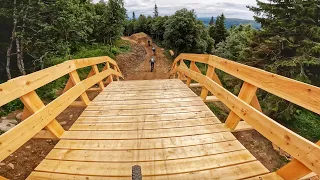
x=290, y=39
x=133, y=15
x=155, y=13
x=220, y=30
x=211, y=23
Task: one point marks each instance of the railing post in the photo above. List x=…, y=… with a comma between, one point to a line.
x=95, y=70
x=75, y=79
x=294, y=169
x=33, y=103
x=204, y=92
x=110, y=78
x=247, y=93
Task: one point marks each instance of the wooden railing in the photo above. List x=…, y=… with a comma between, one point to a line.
x=37, y=115
x=246, y=106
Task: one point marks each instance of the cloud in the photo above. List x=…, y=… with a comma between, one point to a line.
x=203, y=8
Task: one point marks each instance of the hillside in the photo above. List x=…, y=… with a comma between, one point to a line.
x=232, y=22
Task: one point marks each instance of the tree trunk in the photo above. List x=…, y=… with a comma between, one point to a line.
x=20, y=57
x=13, y=38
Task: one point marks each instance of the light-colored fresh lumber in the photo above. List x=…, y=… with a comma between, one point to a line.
x=134, y=112
x=33, y=103
x=22, y=85
x=16, y=137
x=247, y=93
x=45, y=134
x=195, y=85
x=144, y=101
x=305, y=95
x=101, y=106
x=158, y=143
x=78, y=104
x=305, y=151
x=143, y=125
x=243, y=126
x=269, y=176
x=147, y=118
x=211, y=99
x=145, y=134
x=239, y=171
x=147, y=155
x=75, y=80
x=149, y=168
x=204, y=92
x=294, y=169
x=95, y=70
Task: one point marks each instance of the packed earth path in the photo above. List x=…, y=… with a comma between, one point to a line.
x=137, y=66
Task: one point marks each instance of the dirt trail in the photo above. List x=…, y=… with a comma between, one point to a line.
x=134, y=69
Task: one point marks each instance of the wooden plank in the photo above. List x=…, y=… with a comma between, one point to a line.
x=78, y=104
x=147, y=118
x=143, y=101
x=247, y=93
x=45, y=134
x=239, y=171
x=149, y=168
x=96, y=71
x=158, y=143
x=135, y=112
x=211, y=99
x=125, y=98
x=75, y=79
x=85, y=62
x=69, y=85
x=147, y=155
x=16, y=137
x=204, y=92
x=145, y=134
x=144, y=125
x=151, y=102
x=243, y=126
x=305, y=95
x=300, y=148
x=3, y=178
x=33, y=103
x=269, y=176
x=22, y=85
x=93, y=89
x=195, y=85
x=294, y=170
x=101, y=106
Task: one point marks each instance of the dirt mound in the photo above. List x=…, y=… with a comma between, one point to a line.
x=141, y=38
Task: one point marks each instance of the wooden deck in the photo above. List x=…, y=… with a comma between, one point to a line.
x=160, y=125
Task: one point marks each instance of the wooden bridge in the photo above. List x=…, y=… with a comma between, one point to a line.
x=160, y=125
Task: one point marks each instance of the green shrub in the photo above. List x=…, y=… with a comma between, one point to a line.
x=307, y=124
x=11, y=106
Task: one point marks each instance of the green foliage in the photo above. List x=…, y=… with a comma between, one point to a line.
x=11, y=106
x=218, y=31
x=155, y=13
x=236, y=46
x=184, y=33
x=307, y=124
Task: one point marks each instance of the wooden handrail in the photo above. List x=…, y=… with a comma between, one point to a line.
x=39, y=115
x=305, y=95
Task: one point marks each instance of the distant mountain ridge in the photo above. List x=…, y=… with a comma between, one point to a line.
x=232, y=22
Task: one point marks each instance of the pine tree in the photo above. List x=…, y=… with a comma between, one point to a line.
x=133, y=15
x=211, y=23
x=155, y=13
x=289, y=41
x=220, y=30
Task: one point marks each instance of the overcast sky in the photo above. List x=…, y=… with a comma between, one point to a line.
x=203, y=8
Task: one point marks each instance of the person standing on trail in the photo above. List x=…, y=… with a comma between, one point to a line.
x=152, y=61
x=154, y=50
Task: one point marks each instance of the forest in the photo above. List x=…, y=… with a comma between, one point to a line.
x=38, y=34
